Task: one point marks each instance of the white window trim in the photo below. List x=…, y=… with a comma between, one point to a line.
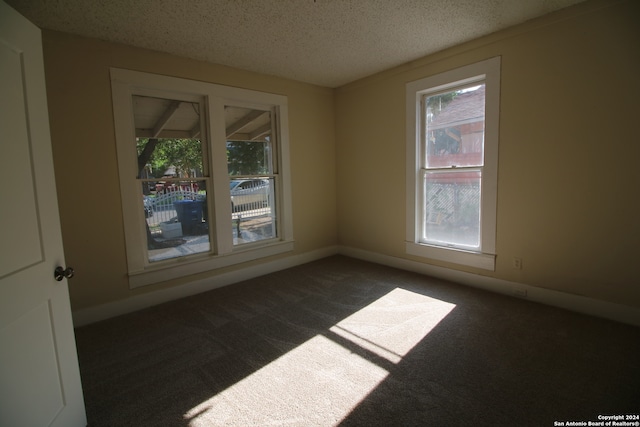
x=124, y=84
x=489, y=72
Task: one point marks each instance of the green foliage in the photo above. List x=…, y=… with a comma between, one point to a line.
x=183, y=154
x=244, y=157
x=247, y=157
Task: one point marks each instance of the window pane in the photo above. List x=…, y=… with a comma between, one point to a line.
x=177, y=220
x=248, y=141
x=169, y=158
x=455, y=127
x=452, y=208
x=253, y=210
x=251, y=174
x=248, y=157
x=172, y=172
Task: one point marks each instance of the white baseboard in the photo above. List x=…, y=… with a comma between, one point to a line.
x=580, y=304
x=105, y=311
x=577, y=303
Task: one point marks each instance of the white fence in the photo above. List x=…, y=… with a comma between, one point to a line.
x=163, y=207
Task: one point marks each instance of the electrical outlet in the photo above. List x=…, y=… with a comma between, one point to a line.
x=517, y=263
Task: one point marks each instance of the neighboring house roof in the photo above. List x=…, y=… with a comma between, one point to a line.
x=467, y=107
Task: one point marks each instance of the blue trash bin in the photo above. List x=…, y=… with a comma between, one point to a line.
x=189, y=215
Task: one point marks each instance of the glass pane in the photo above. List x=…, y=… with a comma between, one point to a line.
x=251, y=174
x=455, y=127
x=452, y=209
x=169, y=158
x=173, y=173
x=248, y=157
x=176, y=219
x=248, y=141
x=253, y=210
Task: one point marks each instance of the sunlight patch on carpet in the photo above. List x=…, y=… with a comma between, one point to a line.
x=392, y=325
x=322, y=381
x=316, y=382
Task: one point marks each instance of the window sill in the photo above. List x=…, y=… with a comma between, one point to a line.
x=456, y=256
x=161, y=273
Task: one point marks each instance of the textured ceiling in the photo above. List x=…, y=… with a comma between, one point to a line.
x=325, y=42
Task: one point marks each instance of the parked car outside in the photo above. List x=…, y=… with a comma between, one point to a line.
x=248, y=194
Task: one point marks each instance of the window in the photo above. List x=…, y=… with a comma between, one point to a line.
x=452, y=153
x=252, y=175
x=203, y=175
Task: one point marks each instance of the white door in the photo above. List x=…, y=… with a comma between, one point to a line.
x=39, y=376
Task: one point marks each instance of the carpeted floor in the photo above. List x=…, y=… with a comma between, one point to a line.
x=345, y=342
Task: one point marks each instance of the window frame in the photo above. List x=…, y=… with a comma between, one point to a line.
x=223, y=253
x=488, y=72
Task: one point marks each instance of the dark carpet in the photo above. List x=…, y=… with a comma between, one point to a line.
x=342, y=342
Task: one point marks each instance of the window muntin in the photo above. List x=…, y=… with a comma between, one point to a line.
x=211, y=241
x=452, y=159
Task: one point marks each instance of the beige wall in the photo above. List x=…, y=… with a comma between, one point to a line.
x=82, y=131
x=568, y=176
x=568, y=181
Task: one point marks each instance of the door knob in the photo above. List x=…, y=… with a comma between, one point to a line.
x=60, y=272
